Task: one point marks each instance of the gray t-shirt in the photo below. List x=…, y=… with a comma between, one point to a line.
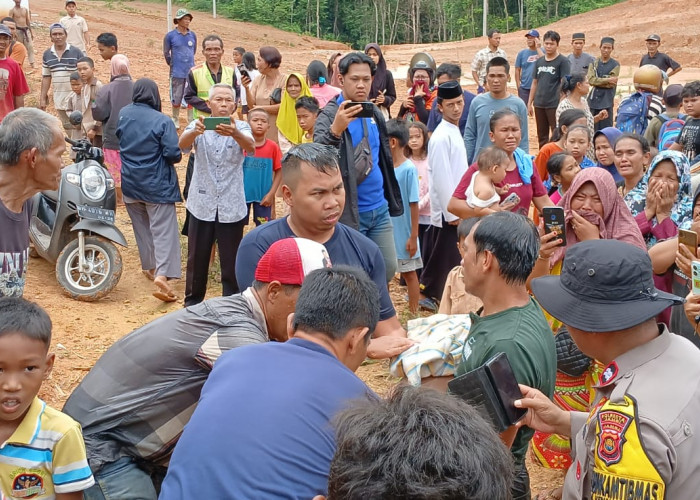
x=141, y=393
x=580, y=64
x=14, y=249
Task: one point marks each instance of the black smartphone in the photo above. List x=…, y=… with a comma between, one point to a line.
x=503, y=379
x=367, y=109
x=554, y=222
x=244, y=72
x=492, y=390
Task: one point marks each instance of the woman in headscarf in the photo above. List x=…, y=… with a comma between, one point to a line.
x=593, y=209
x=383, y=91
x=662, y=202
x=149, y=150
x=603, y=145
x=317, y=78
x=290, y=133
x=110, y=100
x=672, y=264
x=632, y=156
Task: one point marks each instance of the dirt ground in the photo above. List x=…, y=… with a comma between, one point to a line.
x=82, y=332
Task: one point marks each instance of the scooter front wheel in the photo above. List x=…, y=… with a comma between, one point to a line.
x=99, y=275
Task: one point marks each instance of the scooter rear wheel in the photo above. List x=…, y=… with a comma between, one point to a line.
x=105, y=269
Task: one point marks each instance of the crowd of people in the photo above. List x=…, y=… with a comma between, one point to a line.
x=253, y=394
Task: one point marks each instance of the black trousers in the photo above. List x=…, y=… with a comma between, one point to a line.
x=546, y=120
x=521, y=483
x=608, y=122
x=200, y=240
x=440, y=256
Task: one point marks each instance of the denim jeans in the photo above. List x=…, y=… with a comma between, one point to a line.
x=121, y=480
x=376, y=225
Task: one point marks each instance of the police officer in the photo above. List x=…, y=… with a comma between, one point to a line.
x=640, y=438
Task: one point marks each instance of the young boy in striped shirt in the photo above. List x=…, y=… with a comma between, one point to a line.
x=42, y=454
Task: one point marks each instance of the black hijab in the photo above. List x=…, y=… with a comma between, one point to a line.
x=379, y=80
x=146, y=92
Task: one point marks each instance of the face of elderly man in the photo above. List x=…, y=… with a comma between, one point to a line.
x=47, y=168
x=222, y=102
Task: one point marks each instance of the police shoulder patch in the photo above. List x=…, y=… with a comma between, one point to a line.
x=611, y=438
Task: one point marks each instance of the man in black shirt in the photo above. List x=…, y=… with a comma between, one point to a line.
x=659, y=59
x=602, y=76
x=546, y=86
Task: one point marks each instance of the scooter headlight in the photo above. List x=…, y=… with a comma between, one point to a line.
x=93, y=182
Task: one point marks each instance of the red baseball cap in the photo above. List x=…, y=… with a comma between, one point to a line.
x=289, y=260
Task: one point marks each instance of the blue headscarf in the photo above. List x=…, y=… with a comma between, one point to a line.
x=682, y=210
x=611, y=134
x=525, y=166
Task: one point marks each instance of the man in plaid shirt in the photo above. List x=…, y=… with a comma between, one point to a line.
x=482, y=58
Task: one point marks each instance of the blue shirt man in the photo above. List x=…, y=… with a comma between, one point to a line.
x=262, y=427
x=179, y=46
x=372, y=194
x=525, y=64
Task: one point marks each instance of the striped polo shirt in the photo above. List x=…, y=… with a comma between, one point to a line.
x=44, y=456
x=59, y=70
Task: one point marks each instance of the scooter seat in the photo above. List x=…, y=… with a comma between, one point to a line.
x=52, y=195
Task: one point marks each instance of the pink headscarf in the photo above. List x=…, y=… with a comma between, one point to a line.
x=617, y=222
x=119, y=65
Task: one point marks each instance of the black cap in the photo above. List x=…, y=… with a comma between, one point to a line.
x=604, y=286
x=672, y=95
x=578, y=36
x=450, y=90
x=654, y=38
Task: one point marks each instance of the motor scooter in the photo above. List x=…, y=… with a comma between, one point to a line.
x=75, y=226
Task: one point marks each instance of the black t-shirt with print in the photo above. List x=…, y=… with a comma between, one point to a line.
x=548, y=75
x=14, y=249
x=689, y=138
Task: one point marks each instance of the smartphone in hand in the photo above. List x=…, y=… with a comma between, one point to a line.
x=554, y=222
x=367, y=108
x=511, y=198
x=695, y=271
x=689, y=239
x=211, y=122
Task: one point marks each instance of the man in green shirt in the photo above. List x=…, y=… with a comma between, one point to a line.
x=499, y=255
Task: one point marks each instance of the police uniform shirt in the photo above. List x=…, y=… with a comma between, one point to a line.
x=640, y=439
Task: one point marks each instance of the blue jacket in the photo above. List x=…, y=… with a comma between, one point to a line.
x=148, y=145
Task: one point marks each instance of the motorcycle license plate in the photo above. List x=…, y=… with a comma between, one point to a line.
x=96, y=213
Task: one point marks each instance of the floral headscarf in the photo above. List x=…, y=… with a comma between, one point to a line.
x=682, y=211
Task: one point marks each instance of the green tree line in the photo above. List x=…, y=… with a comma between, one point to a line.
x=358, y=22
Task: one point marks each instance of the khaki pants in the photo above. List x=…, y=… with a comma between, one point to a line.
x=24, y=37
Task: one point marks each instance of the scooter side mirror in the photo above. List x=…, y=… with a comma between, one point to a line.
x=75, y=118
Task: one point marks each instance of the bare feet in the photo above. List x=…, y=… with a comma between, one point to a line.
x=164, y=292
